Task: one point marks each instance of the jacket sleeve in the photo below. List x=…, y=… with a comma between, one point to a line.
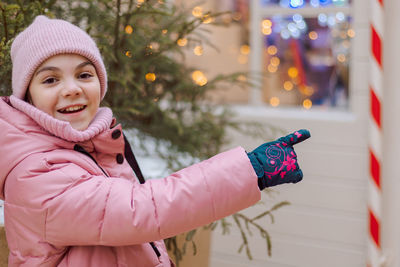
x=84, y=209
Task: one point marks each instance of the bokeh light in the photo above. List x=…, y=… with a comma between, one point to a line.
x=293, y=72
x=275, y=61
x=313, y=35
x=288, y=85
x=128, y=53
x=199, y=78
x=271, y=68
x=307, y=103
x=272, y=50
x=197, y=11
x=198, y=50
x=241, y=78
x=266, y=23
x=182, y=42
x=245, y=49
x=341, y=58
x=351, y=33
x=274, y=101
x=207, y=19
x=128, y=29
x=151, y=77
x=266, y=31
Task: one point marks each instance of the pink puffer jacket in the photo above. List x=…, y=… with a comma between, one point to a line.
x=62, y=210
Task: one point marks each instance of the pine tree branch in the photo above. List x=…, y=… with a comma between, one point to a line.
x=269, y=212
x=116, y=30
x=245, y=243
x=3, y=13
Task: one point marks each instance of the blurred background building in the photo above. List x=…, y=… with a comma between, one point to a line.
x=310, y=66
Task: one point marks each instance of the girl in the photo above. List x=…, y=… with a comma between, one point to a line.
x=71, y=196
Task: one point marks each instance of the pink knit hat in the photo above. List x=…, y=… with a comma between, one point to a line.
x=45, y=38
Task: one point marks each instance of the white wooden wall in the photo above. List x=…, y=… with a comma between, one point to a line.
x=326, y=224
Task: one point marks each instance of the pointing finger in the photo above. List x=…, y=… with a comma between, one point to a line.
x=296, y=137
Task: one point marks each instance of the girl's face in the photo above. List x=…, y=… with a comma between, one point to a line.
x=67, y=88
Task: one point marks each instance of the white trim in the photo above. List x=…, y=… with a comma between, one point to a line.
x=306, y=12
x=295, y=113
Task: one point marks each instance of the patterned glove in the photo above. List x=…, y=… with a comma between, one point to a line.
x=276, y=162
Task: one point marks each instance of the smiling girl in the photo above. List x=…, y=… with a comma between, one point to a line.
x=67, y=88
x=71, y=196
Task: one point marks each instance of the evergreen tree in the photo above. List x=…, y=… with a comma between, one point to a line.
x=149, y=87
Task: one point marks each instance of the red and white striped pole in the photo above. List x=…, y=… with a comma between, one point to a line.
x=375, y=135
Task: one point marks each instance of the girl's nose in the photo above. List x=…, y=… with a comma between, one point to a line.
x=71, y=88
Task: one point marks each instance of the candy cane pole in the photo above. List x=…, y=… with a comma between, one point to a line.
x=375, y=137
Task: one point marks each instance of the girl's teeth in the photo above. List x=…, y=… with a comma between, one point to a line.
x=72, y=109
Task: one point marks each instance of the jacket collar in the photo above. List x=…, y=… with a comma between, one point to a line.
x=101, y=122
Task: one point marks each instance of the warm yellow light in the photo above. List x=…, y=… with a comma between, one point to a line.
x=293, y=72
x=272, y=50
x=313, y=35
x=275, y=61
x=241, y=78
x=288, y=85
x=308, y=90
x=202, y=81
x=198, y=50
x=140, y=1
x=128, y=29
x=154, y=46
x=266, y=23
x=197, y=11
x=199, y=78
x=242, y=59
x=151, y=77
x=245, y=49
x=196, y=75
x=182, y=42
x=274, y=101
x=341, y=58
x=271, y=68
x=128, y=53
x=266, y=31
x=164, y=31
x=351, y=33
x=207, y=19
x=307, y=103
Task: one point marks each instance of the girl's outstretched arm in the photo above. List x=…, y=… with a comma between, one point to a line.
x=78, y=205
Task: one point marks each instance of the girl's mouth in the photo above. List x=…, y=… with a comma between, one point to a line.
x=72, y=109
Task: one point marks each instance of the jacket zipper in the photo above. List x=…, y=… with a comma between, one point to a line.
x=83, y=151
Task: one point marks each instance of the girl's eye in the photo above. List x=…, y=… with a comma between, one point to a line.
x=50, y=80
x=85, y=75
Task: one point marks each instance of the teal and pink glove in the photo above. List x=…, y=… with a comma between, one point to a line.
x=276, y=162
